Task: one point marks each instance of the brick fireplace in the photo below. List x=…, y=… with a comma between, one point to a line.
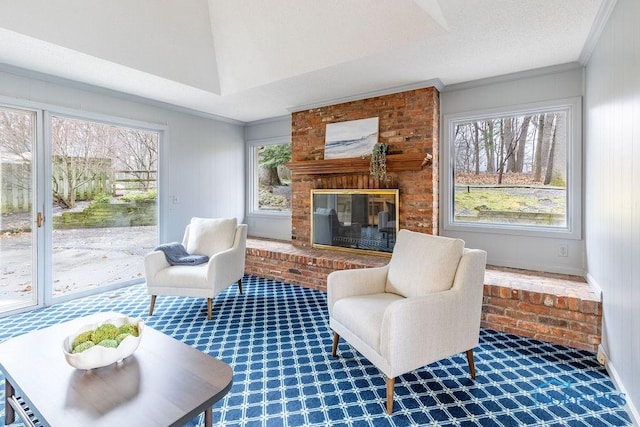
x=408, y=122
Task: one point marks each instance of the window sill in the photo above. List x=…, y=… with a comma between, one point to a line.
x=515, y=230
x=270, y=214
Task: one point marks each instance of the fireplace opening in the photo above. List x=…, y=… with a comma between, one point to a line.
x=363, y=221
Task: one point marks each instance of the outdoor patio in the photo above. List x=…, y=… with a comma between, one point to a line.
x=83, y=258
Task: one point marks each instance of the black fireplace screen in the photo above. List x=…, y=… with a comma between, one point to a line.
x=358, y=220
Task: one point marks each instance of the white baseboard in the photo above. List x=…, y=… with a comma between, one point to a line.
x=630, y=407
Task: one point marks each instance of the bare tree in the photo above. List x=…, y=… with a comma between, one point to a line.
x=537, y=160
x=507, y=148
x=526, y=145
x=510, y=145
x=464, y=147
x=489, y=145
x=552, y=146
x=16, y=133
x=513, y=143
x=16, y=140
x=82, y=153
x=137, y=153
x=521, y=143
x=476, y=147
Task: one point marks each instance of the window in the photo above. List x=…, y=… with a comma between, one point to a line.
x=271, y=189
x=515, y=170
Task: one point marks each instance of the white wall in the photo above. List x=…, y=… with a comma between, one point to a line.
x=612, y=191
x=197, y=156
x=272, y=225
x=529, y=252
x=277, y=127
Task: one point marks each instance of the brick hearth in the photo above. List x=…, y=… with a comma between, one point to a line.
x=555, y=308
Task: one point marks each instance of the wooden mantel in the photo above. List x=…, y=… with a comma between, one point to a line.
x=395, y=163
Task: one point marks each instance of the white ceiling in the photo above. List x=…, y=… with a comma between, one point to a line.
x=254, y=59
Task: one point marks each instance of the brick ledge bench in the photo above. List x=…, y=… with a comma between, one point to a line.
x=555, y=308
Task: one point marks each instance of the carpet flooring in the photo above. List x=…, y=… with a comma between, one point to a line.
x=276, y=338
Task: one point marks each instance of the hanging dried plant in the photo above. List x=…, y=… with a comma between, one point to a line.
x=378, y=165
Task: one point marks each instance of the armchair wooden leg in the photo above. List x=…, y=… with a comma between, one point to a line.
x=472, y=368
x=240, y=286
x=153, y=303
x=334, y=348
x=391, y=382
x=209, y=308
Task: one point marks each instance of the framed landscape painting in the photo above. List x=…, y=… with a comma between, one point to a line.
x=354, y=138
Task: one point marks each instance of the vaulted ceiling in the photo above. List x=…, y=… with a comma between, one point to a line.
x=253, y=59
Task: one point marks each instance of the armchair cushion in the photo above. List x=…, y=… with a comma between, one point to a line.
x=363, y=315
x=176, y=277
x=208, y=236
x=439, y=257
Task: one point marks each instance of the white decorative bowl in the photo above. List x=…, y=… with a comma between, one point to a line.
x=98, y=356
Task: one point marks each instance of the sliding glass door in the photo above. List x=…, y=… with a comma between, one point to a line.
x=79, y=206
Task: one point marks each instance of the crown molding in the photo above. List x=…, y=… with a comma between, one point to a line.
x=602, y=17
x=536, y=72
x=268, y=120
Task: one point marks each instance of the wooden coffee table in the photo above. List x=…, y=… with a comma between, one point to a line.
x=164, y=383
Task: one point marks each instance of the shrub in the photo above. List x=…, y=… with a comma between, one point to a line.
x=147, y=196
x=269, y=200
x=101, y=199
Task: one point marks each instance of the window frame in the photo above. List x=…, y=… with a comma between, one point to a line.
x=573, y=229
x=253, y=175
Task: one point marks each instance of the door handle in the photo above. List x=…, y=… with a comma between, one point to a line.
x=40, y=219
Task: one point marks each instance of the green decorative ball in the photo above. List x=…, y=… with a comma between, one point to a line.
x=83, y=337
x=111, y=343
x=128, y=328
x=83, y=346
x=121, y=337
x=107, y=331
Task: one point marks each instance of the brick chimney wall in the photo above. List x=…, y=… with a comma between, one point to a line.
x=408, y=123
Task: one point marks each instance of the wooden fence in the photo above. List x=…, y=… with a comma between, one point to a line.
x=128, y=181
x=15, y=189
x=16, y=185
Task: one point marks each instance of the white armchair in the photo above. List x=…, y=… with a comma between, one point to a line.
x=423, y=306
x=223, y=240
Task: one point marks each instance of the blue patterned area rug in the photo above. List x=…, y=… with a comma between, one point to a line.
x=277, y=340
